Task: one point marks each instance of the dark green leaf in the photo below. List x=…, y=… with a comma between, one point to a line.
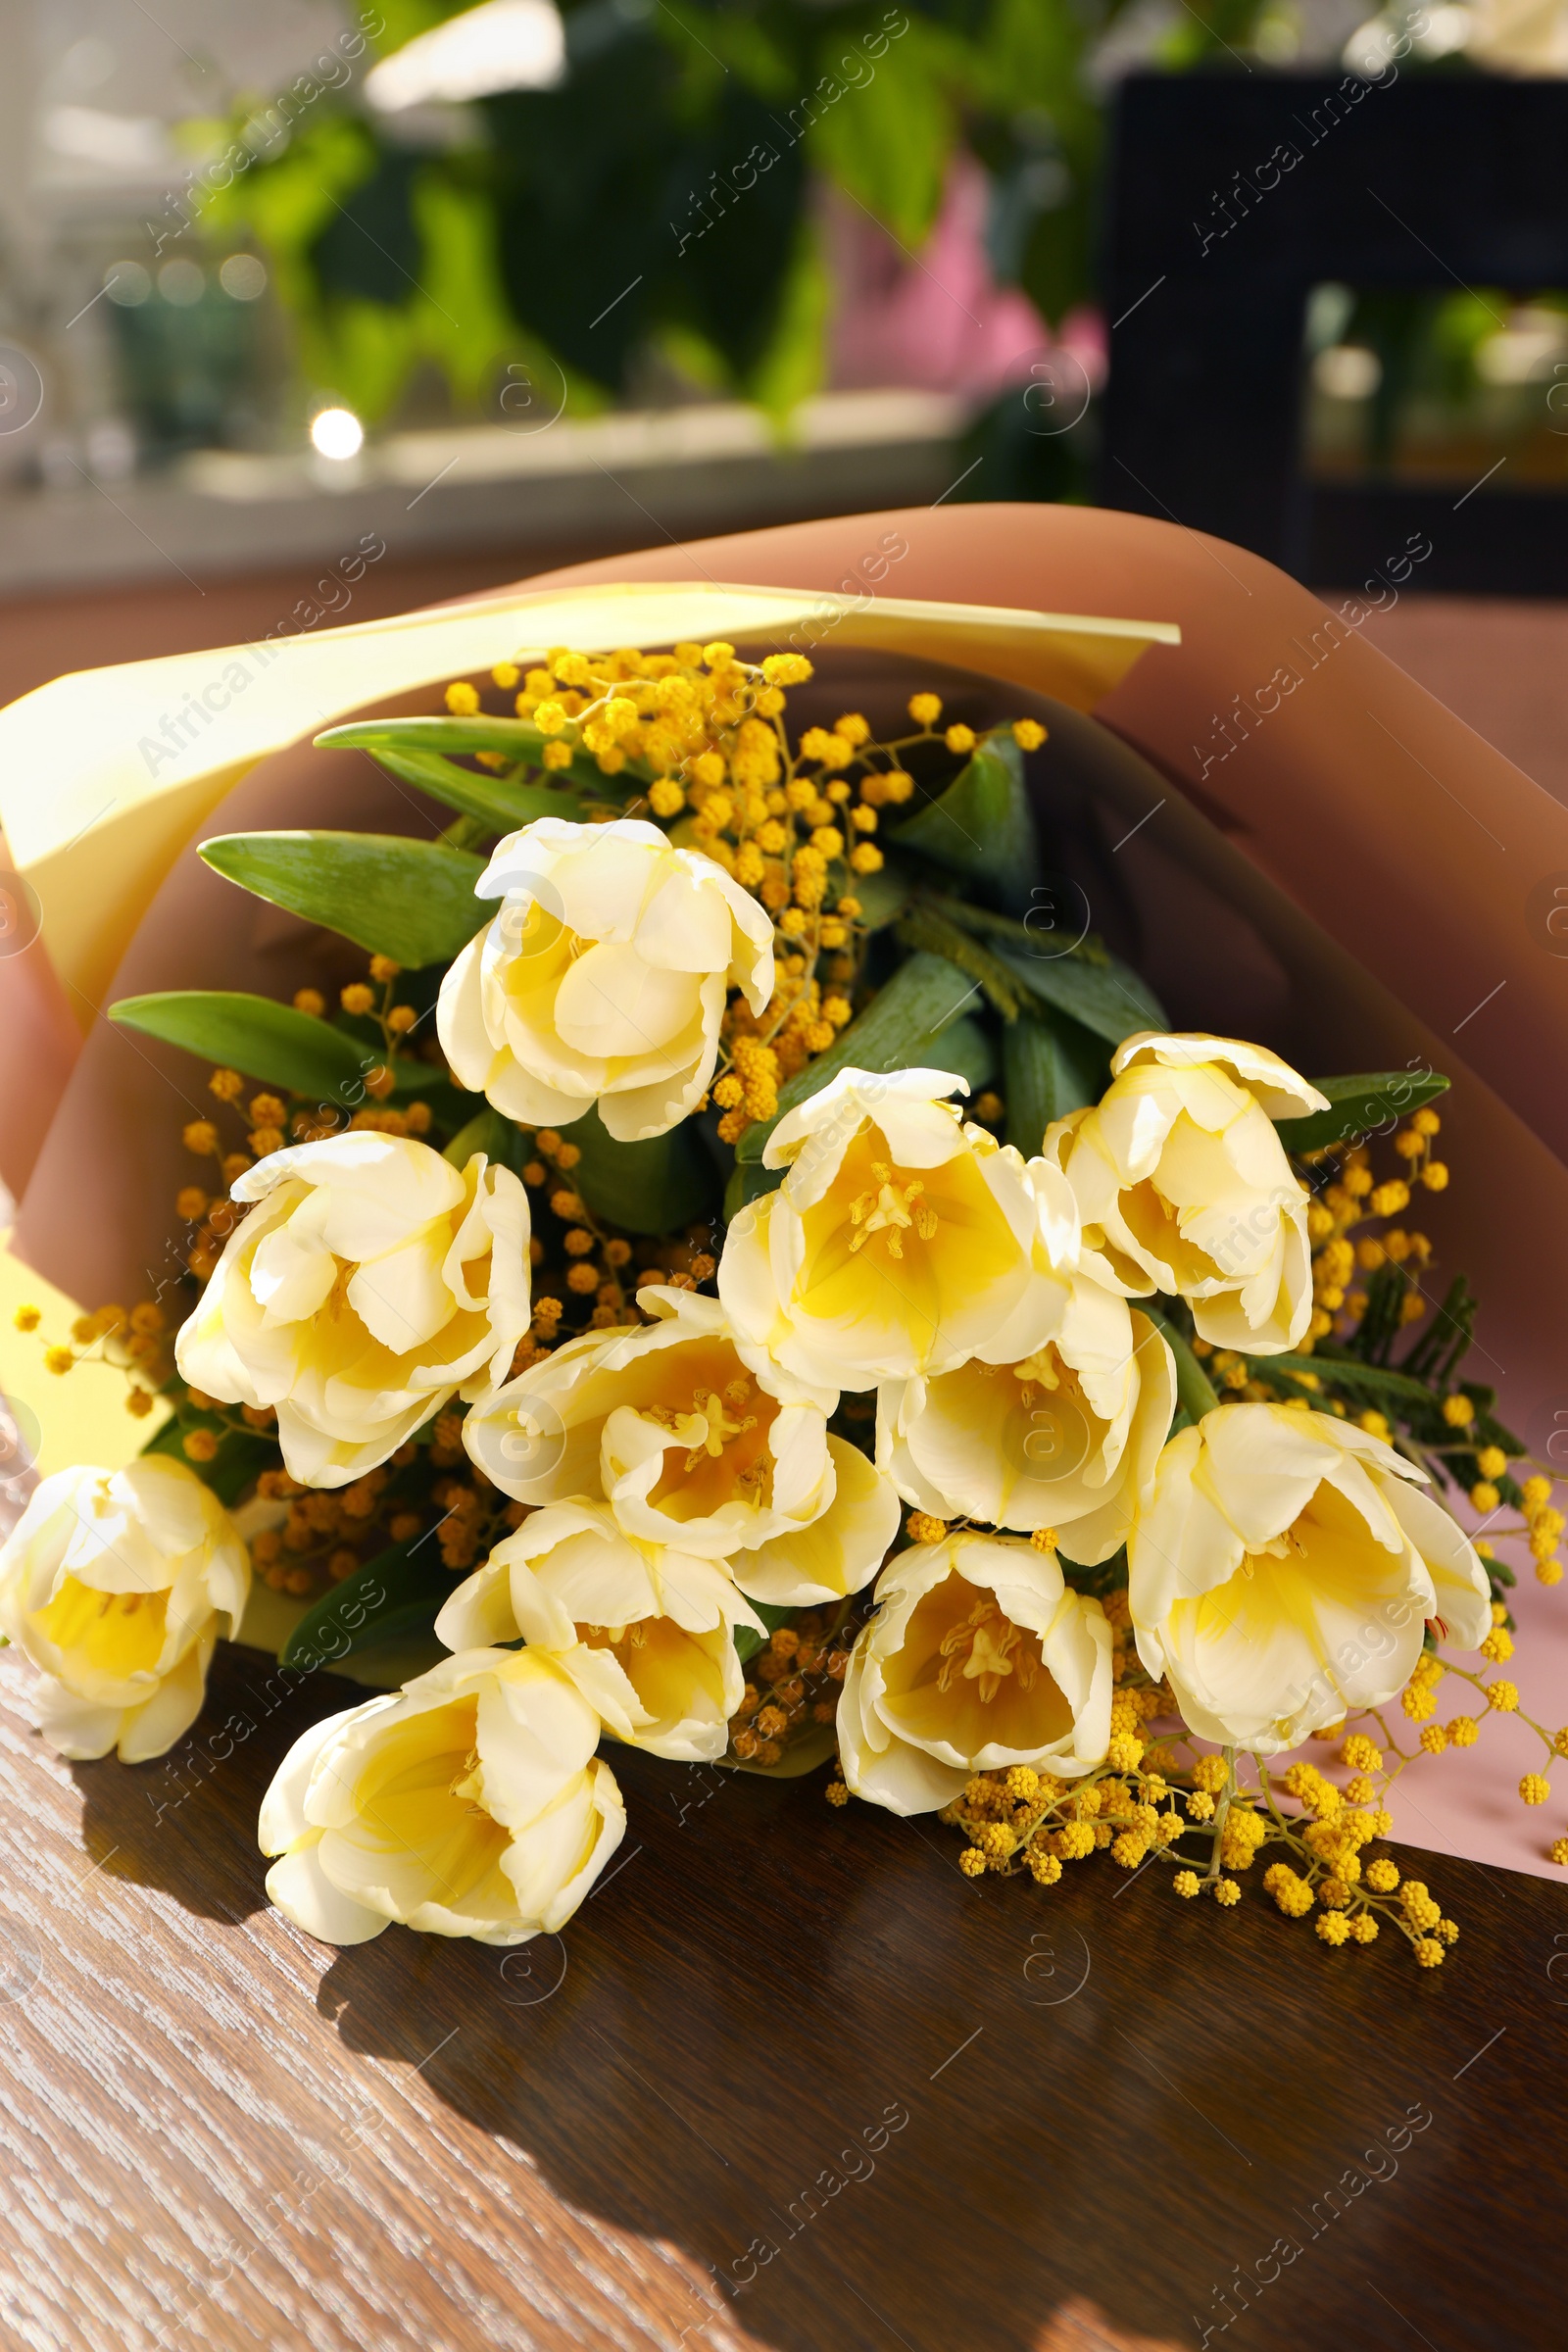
x=254, y=1035
x=400, y=1592
x=1108, y=997
x=410, y=1076
x=1195, y=1390
x=910, y=1023
x=926, y=927
x=492, y=1134
x=500, y=804
x=746, y=1182
x=882, y=896
x=1050, y=1066
x=411, y=900
x=455, y=738
x=653, y=1187
x=963, y=1046
x=1346, y=1372
x=982, y=826
x=517, y=740
x=1369, y=1104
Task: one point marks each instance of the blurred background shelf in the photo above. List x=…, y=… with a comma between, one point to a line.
x=621, y=479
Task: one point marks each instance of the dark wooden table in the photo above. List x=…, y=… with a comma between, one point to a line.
x=789, y=2079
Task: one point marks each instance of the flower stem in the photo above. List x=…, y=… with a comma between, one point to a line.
x=1194, y=1387
x=1223, y=1807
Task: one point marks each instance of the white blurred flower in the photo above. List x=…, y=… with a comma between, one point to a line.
x=117, y=1584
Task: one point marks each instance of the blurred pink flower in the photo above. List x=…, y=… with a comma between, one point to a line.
x=939, y=321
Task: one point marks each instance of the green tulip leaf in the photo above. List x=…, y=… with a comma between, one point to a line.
x=982, y=826
x=256, y=1036
x=411, y=900
x=1369, y=1104
x=1106, y=996
x=400, y=1592
x=421, y=751
x=658, y=1186
x=1050, y=1065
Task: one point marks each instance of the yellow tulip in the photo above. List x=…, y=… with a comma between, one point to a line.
x=1283, y=1570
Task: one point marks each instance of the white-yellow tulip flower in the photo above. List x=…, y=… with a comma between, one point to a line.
x=690, y=1447
x=1066, y=1439
x=604, y=977
x=979, y=1657
x=371, y=1283
x=645, y=1631
x=117, y=1586
x=1182, y=1185
x=1283, y=1570
x=901, y=1241
x=467, y=1804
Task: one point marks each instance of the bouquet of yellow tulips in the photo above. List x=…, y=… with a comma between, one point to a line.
x=733, y=1275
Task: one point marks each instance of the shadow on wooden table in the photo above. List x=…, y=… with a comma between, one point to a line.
x=802, y=2044
x=878, y=2103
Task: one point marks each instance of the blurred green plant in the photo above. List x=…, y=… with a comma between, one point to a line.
x=657, y=200
x=1444, y=380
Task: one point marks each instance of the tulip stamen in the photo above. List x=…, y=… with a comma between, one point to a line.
x=989, y=1644
x=890, y=1211
x=617, y=1637
x=467, y=1783
x=717, y=1427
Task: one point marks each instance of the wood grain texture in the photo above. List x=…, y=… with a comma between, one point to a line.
x=219, y=2134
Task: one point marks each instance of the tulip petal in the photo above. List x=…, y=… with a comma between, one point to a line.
x=904, y=1778
x=1283, y=1093
x=301, y=1890
x=837, y=1554
x=479, y=1615
x=76, y=1728
x=1458, y=1576
x=151, y=1729
x=291, y=1269
x=283, y=1816
x=607, y=1829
